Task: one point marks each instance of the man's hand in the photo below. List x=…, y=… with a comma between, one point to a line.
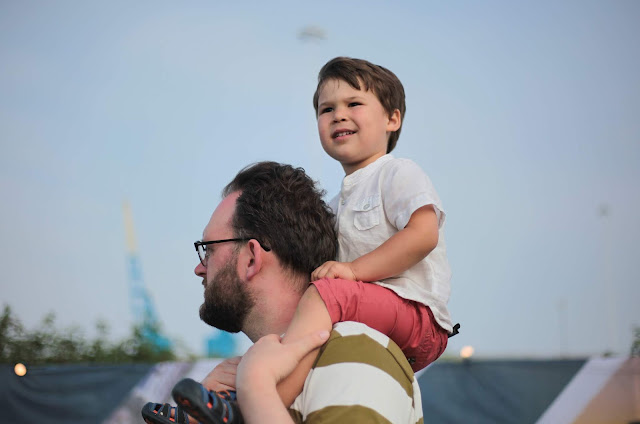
x=265, y=364
x=270, y=361
x=223, y=376
x=334, y=269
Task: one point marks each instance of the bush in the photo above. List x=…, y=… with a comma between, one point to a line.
x=49, y=345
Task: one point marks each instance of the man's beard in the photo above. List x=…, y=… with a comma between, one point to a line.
x=226, y=300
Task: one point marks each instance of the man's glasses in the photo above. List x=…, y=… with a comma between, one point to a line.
x=203, y=251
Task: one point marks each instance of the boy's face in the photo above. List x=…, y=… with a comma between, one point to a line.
x=354, y=128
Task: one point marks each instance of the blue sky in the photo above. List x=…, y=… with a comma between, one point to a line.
x=525, y=116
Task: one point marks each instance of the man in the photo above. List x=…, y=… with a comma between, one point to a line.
x=267, y=235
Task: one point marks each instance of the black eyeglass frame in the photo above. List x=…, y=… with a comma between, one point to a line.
x=197, y=244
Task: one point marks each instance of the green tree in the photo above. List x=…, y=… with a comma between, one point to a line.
x=48, y=345
x=635, y=346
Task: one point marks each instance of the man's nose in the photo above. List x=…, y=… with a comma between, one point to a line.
x=200, y=270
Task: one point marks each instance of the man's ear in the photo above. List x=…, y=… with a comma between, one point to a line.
x=252, y=262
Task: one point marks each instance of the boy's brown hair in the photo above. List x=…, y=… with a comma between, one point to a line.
x=381, y=81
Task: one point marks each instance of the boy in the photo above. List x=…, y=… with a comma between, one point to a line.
x=392, y=273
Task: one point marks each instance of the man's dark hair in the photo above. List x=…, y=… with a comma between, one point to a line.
x=283, y=209
x=382, y=82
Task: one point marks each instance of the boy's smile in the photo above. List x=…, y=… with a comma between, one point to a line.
x=354, y=128
x=341, y=134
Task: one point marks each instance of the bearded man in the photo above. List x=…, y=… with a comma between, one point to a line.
x=267, y=235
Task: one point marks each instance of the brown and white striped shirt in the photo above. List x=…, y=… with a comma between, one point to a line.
x=360, y=376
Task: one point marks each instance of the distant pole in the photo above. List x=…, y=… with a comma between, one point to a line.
x=563, y=326
x=604, y=212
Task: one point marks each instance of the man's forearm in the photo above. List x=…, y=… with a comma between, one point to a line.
x=261, y=404
x=265, y=364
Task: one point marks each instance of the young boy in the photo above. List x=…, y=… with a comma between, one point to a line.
x=392, y=272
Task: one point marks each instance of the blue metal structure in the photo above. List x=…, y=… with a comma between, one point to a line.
x=142, y=308
x=220, y=345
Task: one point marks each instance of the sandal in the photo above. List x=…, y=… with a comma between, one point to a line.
x=157, y=413
x=208, y=407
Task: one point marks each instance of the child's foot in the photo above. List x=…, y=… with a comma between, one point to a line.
x=157, y=413
x=208, y=407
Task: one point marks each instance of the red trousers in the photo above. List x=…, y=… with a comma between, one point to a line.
x=409, y=324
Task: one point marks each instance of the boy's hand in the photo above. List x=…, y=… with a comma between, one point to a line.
x=333, y=269
x=223, y=376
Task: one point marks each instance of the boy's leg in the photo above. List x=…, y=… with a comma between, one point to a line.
x=327, y=301
x=311, y=315
x=409, y=324
x=425, y=347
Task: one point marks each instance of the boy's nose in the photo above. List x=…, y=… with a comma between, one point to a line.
x=339, y=114
x=338, y=117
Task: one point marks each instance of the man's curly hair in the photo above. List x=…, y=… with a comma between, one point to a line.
x=282, y=208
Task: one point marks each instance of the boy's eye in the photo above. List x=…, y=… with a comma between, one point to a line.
x=352, y=104
x=326, y=109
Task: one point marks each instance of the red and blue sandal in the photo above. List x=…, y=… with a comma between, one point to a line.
x=157, y=413
x=208, y=407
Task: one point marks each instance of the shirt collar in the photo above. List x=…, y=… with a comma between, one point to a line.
x=366, y=172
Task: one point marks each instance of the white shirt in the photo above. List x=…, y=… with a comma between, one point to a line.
x=377, y=201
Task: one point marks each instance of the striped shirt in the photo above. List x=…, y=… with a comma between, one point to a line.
x=360, y=376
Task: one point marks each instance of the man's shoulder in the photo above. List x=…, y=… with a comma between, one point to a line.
x=349, y=333
x=360, y=375
x=353, y=344
x=352, y=328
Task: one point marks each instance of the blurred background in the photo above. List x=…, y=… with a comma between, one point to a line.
x=525, y=116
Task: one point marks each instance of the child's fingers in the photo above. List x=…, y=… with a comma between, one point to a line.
x=335, y=269
x=315, y=274
x=321, y=271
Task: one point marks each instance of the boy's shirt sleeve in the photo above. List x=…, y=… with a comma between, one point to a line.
x=406, y=188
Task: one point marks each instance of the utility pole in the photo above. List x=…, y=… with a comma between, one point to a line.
x=604, y=211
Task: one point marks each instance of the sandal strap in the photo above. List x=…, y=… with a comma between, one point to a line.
x=157, y=413
x=207, y=406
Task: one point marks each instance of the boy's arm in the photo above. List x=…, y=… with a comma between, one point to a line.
x=400, y=252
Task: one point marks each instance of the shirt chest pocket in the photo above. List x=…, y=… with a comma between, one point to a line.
x=366, y=212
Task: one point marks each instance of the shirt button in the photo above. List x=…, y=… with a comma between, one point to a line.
x=342, y=201
x=366, y=207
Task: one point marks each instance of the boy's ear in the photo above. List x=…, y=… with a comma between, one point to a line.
x=395, y=120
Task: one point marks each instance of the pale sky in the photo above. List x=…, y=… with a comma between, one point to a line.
x=524, y=115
